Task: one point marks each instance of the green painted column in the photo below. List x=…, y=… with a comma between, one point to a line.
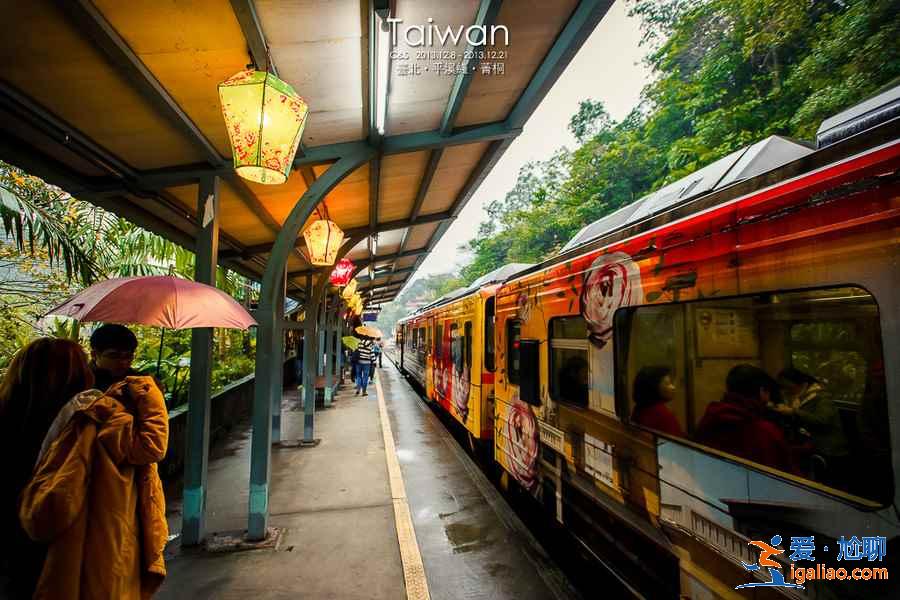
x=323, y=319
x=310, y=372
x=276, y=398
x=329, y=355
x=310, y=368
x=269, y=336
x=197, y=446
x=339, y=336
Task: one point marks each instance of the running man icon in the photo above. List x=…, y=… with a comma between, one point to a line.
x=775, y=574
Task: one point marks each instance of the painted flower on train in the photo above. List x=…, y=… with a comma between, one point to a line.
x=523, y=442
x=523, y=306
x=611, y=282
x=461, y=393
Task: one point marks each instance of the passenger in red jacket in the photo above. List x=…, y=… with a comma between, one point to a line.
x=737, y=424
x=653, y=389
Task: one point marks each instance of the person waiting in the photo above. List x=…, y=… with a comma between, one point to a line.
x=40, y=379
x=364, y=366
x=653, y=390
x=112, y=352
x=816, y=413
x=737, y=424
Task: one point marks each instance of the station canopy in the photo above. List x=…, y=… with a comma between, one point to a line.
x=117, y=103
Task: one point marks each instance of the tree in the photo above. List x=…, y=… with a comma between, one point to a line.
x=55, y=245
x=726, y=73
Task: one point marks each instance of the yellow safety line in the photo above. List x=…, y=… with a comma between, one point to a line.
x=413, y=569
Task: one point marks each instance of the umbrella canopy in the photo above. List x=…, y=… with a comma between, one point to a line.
x=368, y=331
x=159, y=301
x=350, y=341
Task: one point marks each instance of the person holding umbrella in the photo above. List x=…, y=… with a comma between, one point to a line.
x=112, y=352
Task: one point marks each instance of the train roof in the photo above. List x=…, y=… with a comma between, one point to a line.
x=496, y=276
x=749, y=162
x=745, y=163
x=868, y=113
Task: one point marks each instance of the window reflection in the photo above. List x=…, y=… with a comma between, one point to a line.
x=790, y=381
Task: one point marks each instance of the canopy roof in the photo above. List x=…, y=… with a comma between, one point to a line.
x=116, y=102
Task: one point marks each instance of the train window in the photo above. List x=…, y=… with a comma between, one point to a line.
x=489, y=334
x=792, y=381
x=456, y=348
x=467, y=342
x=513, y=340
x=569, y=364
x=438, y=341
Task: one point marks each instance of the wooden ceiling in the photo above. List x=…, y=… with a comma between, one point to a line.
x=116, y=102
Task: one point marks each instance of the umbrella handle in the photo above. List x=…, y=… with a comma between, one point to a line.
x=162, y=336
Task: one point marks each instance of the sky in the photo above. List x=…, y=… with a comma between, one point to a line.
x=608, y=67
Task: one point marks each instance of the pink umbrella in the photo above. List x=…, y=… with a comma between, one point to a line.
x=160, y=301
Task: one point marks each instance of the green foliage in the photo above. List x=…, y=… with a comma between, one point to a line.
x=727, y=73
x=52, y=245
x=421, y=291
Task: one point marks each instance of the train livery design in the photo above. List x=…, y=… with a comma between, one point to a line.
x=760, y=297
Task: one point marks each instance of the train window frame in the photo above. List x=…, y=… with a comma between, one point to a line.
x=621, y=340
x=490, y=359
x=512, y=375
x=457, y=350
x=570, y=344
x=467, y=344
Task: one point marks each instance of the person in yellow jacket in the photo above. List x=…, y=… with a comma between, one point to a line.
x=96, y=499
x=40, y=379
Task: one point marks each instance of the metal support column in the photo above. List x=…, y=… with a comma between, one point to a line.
x=340, y=345
x=310, y=362
x=276, y=398
x=323, y=326
x=197, y=447
x=269, y=335
x=329, y=355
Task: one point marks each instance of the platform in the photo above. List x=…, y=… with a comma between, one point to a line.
x=359, y=522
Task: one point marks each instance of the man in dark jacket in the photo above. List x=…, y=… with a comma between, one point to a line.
x=112, y=352
x=737, y=424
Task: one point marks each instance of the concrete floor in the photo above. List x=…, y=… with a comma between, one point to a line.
x=333, y=504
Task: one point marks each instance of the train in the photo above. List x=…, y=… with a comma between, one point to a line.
x=780, y=258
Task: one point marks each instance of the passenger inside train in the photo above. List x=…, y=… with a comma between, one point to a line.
x=653, y=389
x=823, y=418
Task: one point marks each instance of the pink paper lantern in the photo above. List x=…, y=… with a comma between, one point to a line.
x=342, y=272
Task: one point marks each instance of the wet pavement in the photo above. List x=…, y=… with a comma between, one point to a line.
x=334, y=507
x=472, y=544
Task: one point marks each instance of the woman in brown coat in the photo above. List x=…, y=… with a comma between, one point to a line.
x=96, y=498
x=40, y=379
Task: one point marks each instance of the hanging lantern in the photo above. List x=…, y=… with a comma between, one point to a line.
x=349, y=290
x=265, y=118
x=323, y=239
x=340, y=276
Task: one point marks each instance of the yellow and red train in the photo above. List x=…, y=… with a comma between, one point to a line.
x=782, y=255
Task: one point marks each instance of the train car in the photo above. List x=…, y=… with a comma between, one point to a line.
x=633, y=393
x=448, y=348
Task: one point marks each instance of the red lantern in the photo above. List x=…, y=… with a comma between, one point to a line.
x=340, y=276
